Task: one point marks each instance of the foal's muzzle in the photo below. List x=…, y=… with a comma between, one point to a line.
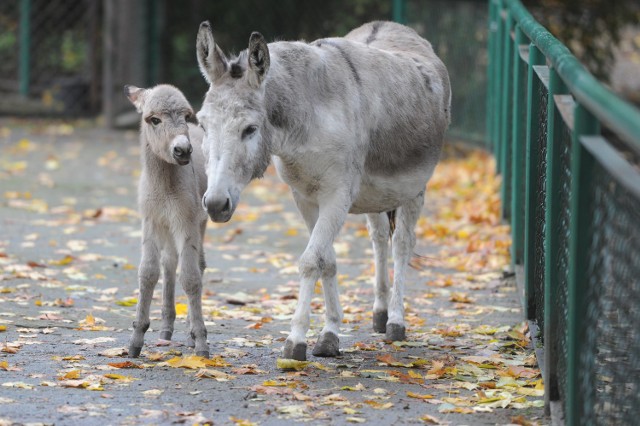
x=219, y=208
x=181, y=150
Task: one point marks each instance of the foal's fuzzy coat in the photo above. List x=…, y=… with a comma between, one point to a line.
x=173, y=222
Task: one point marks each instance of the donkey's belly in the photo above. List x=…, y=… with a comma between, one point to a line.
x=381, y=194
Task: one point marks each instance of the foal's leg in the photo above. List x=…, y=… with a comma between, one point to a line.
x=378, y=224
x=318, y=261
x=191, y=281
x=169, y=265
x=148, y=274
x=404, y=240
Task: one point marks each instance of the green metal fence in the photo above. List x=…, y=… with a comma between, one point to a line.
x=568, y=151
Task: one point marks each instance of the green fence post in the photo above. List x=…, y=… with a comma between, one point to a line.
x=505, y=112
x=399, y=11
x=25, y=46
x=582, y=165
x=534, y=86
x=497, y=82
x=490, y=77
x=552, y=213
x=518, y=143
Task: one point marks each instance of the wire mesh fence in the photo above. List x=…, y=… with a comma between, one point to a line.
x=72, y=57
x=611, y=383
x=583, y=241
x=49, y=57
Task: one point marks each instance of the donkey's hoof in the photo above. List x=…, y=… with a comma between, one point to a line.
x=190, y=342
x=166, y=335
x=328, y=345
x=396, y=333
x=297, y=351
x=203, y=354
x=380, y=321
x=134, y=351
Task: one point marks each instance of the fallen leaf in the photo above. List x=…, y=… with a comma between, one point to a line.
x=419, y=396
x=207, y=373
x=125, y=364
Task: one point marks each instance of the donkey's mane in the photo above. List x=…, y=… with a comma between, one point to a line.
x=238, y=65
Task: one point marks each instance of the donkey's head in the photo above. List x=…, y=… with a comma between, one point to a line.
x=237, y=143
x=165, y=114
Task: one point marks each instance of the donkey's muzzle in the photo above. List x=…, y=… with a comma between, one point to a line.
x=182, y=154
x=220, y=209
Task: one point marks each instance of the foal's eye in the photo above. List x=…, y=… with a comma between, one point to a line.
x=248, y=131
x=155, y=121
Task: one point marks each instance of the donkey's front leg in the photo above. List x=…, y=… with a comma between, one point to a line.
x=148, y=274
x=191, y=281
x=169, y=265
x=404, y=240
x=319, y=261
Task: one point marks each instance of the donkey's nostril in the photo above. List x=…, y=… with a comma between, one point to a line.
x=178, y=152
x=227, y=206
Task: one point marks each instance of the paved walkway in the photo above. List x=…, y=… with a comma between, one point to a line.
x=69, y=249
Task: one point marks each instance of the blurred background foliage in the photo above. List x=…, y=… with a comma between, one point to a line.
x=81, y=52
x=591, y=29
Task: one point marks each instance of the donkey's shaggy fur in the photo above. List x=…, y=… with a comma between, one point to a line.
x=354, y=124
x=171, y=186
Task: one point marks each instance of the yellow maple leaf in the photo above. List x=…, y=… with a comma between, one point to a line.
x=71, y=375
x=132, y=301
x=195, y=362
x=419, y=396
x=62, y=262
x=181, y=309
x=242, y=422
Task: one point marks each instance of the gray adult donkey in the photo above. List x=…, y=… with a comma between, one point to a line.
x=354, y=125
x=171, y=186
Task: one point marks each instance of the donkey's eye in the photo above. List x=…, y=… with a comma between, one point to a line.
x=155, y=121
x=248, y=131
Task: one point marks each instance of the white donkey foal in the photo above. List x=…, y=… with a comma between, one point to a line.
x=171, y=186
x=355, y=125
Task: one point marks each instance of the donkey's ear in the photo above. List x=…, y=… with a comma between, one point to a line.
x=136, y=95
x=258, y=59
x=212, y=61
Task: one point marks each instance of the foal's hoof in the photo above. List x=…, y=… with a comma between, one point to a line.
x=203, y=354
x=190, y=342
x=328, y=345
x=297, y=351
x=396, y=333
x=166, y=335
x=380, y=321
x=134, y=351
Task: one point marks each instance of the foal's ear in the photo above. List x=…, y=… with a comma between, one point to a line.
x=258, y=59
x=136, y=96
x=211, y=60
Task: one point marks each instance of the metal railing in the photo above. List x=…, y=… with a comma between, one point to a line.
x=568, y=151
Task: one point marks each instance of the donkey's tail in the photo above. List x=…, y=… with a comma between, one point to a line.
x=392, y=222
x=417, y=261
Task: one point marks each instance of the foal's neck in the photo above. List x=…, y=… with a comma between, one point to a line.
x=154, y=167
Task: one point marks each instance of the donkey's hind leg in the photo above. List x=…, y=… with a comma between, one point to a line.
x=169, y=265
x=404, y=240
x=378, y=225
x=148, y=274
